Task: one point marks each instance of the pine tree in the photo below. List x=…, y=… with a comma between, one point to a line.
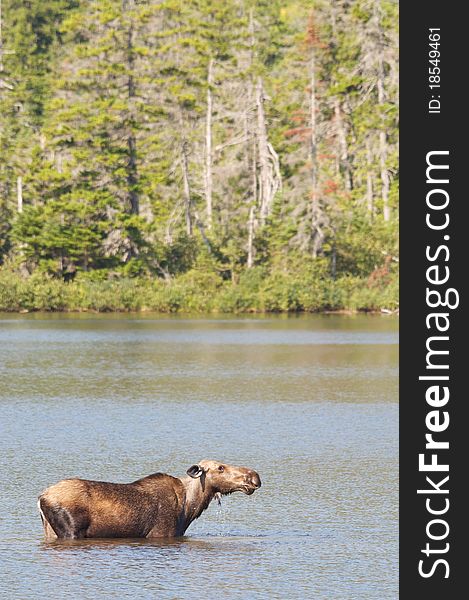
x=151, y=138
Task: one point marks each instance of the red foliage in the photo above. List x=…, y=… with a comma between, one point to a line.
x=301, y=132
x=299, y=116
x=312, y=33
x=381, y=275
x=330, y=187
x=312, y=37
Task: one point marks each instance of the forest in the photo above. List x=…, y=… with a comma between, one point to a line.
x=199, y=155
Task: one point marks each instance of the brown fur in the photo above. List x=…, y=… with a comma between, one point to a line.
x=156, y=506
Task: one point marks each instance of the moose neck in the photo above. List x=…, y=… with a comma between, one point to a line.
x=198, y=496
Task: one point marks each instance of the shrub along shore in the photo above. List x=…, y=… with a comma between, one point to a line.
x=197, y=292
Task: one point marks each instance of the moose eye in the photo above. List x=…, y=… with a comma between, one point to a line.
x=221, y=468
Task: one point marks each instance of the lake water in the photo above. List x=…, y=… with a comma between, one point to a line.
x=310, y=402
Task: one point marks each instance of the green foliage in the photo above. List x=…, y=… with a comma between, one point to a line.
x=196, y=292
x=105, y=171
x=35, y=293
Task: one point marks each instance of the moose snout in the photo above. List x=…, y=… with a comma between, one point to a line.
x=254, y=479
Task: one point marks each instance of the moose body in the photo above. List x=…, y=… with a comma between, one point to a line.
x=156, y=506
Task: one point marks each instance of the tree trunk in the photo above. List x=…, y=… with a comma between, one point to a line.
x=344, y=161
x=263, y=153
x=132, y=175
x=1, y=38
x=369, y=178
x=269, y=170
x=249, y=128
x=251, y=155
x=251, y=146
x=251, y=223
x=251, y=151
x=334, y=258
x=318, y=235
x=200, y=227
x=383, y=149
x=208, y=147
x=19, y=193
x=342, y=154
x=384, y=175
x=132, y=172
x=186, y=189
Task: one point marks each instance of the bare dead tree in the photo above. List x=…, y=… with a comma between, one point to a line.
x=131, y=167
x=343, y=159
x=317, y=220
x=208, y=146
x=343, y=154
x=251, y=227
x=380, y=83
x=269, y=170
x=186, y=189
x=369, y=178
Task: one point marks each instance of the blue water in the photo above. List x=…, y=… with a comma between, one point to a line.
x=309, y=402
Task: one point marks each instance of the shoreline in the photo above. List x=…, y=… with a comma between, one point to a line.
x=343, y=312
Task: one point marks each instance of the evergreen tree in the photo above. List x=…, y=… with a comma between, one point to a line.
x=151, y=138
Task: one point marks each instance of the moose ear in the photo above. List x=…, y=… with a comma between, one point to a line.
x=194, y=471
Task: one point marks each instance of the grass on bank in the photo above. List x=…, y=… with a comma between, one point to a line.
x=198, y=292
